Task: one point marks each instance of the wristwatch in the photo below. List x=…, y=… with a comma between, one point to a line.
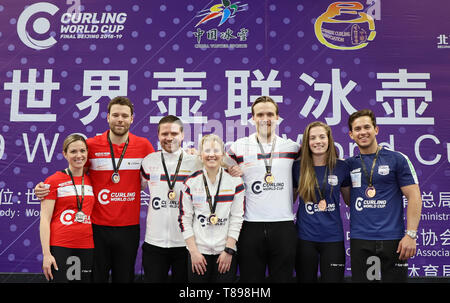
x=230, y=251
x=412, y=234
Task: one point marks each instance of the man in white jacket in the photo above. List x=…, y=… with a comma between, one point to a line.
x=268, y=234
x=164, y=172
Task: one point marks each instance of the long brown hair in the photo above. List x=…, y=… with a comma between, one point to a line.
x=306, y=186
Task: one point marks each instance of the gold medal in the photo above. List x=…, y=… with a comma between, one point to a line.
x=370, y=192
x=322, y=205
x=269, y=178
x=213, y=219
x=171, y=195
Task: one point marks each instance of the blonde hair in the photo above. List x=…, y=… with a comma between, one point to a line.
x=73, y=138
x=306, y=186
x=213, y=138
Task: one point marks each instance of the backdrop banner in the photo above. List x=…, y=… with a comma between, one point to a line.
x=206, y=61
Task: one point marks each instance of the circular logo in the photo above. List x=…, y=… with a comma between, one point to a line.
x=67, y=216
x=309, y=208
x=156, y=203
x=40, y=26
x=257, y=187
x=202, y=219
x=103, y=196
x=359, y=204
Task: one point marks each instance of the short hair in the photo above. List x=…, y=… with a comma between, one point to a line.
x=73, y=138
x=263, y=99
x=120, y=100
x=170, y=119
x=361, y=113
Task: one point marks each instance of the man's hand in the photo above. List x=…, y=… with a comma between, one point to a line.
x=41, y=190
x=235, y=171
x=406, y=248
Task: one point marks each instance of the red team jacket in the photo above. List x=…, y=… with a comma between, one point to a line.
x=117, y=204
x=64, y=231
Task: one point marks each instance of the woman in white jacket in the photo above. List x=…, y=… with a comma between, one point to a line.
x=211, y=216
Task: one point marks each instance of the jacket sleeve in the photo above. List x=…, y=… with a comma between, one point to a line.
x=185, y=218
x=237, y=212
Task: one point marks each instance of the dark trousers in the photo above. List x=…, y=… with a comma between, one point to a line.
x=115, y=250
x=330, y=256
x=375, y=259
x=267, y=244
x=157, y=261
x=212, y=274
x=74, y=264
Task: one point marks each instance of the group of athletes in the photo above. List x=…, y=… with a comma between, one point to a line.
x=222, y=216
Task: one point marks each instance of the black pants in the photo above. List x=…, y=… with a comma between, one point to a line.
x=375, y=259
x=74, y=264
x=115, y=250
x=267, y=244
x=157, y=261
x=212, y=274
x=330, y=256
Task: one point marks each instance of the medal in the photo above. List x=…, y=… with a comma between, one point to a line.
x=269, y=178
x=370, y=192
x=171, y=195
x=322, y=205
x=115, y=177
x=80, y=216
x=213, y=219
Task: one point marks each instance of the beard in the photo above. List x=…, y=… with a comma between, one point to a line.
x=121, y=132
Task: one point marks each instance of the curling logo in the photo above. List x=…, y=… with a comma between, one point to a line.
x=345, y=26
x=40, y=26
x=73, y=24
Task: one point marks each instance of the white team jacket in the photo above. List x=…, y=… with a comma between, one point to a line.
x=162, y=217
x=195, y=211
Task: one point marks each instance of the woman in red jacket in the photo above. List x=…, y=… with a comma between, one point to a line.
x=65, y=227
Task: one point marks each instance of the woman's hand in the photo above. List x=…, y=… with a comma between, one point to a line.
x=198, y=263
x=224, y=262
x=47, y=263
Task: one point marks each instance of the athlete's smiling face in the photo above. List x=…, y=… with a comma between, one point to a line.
x=266, y=118
x=170, y=136
x=211, y=154
x=119, y=119
x=318, y=140
x=364, y=133
x=76, y=154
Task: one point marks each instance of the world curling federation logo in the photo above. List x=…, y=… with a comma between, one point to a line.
x=345, y=26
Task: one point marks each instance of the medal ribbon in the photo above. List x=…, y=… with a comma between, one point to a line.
x=324, y=182
x=170, y=183
x=268, y=165
x=212, y=207
x=79, y=203
x=116, y=169
x=369, y=178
